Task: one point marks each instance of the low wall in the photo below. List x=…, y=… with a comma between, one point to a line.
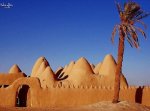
x=68, y=96
x=146, y=96
x=7, y=96
x=9, y=78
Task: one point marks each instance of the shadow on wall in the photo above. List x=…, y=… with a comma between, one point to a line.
x=139, y=94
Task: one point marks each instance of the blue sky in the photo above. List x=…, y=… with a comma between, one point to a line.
x=65, y=30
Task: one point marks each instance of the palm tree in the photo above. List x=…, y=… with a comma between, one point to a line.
x=130, y=14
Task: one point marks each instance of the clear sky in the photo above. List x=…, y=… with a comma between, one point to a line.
x=65, y=30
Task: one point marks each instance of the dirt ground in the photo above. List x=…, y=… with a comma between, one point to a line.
x=102, y=106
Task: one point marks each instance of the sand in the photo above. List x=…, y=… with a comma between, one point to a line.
x=102, y=106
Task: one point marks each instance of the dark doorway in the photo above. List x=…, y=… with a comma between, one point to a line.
x=22, y=96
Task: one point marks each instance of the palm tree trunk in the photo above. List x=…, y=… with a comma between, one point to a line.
x=119, y=67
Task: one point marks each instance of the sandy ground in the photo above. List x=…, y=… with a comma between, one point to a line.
x=102, y=106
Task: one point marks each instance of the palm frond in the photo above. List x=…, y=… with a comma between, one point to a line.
x=142, y=23
x=134, y=14
x=142, y=16
x=134, y=36
x=60, y=76
x=138, y=13
x=129, y=39
x=127, y=35
x=133, y=30
x=131, y=7
x=119, y=8
x=130, y=14
x=136, y=41
x=141, y=31
x=114, y=33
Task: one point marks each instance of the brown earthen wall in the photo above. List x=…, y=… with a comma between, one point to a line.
x=67, y=96
x=64, y=97
x=8, y=79
x=146, y=96
x=7, y=96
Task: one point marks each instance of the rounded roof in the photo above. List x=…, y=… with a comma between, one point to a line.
x=97, y=68
x=39, y=64
x=108, y=66
x=15, y=69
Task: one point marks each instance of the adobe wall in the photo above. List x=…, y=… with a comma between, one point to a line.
x=146, y=96
x=8, y=94
x=68, y=96
x=7, y=78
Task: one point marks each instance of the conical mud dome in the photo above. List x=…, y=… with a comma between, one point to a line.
x=47, y=78
x=82, y=66
x=39, y=66
x=42, y=68
x=108, y=71
x=15, y=69
x=81, y=72
x=36, y=66
x=97, y=68
x=92, y=66
x=108, y=66
x=69, y=68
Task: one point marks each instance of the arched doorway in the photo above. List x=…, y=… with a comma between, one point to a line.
x=23, y=96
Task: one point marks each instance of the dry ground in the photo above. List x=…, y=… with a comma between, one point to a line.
x=102, y=106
